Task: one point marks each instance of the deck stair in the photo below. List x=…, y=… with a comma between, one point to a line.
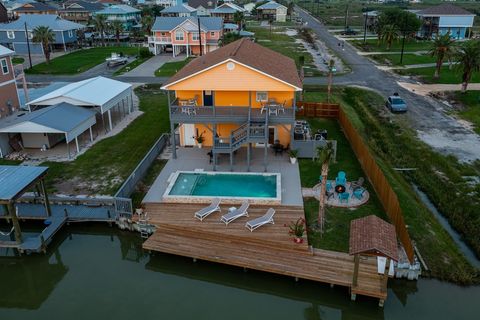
x=143, y=224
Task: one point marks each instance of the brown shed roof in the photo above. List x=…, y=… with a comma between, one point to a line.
x=445, y=9
x=248, y=53
x=372, y=235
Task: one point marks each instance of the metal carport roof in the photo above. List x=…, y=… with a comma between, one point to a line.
x=14, y=180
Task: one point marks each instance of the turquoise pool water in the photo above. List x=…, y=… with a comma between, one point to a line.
x=225, y=185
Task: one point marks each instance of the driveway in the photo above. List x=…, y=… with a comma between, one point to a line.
x=147, y=69
x=426, y=115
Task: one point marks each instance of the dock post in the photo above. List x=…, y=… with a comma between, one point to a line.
x=194, y=259
x=296, y=279
x=45, y=198
x=43, y=246
x=16, y=225
x=381, y=302
x=353, y=297
x=355, y=270
x=332, y=285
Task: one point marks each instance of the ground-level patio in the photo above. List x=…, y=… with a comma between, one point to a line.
x=189, y=159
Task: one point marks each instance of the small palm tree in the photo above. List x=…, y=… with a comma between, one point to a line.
x=468, y=58
x=100, y=23
x=324, y=156
x=117, y=28
x=238, y=19
x=389, y=33
x=45, y=36
x=147, y=23
x=442, y=48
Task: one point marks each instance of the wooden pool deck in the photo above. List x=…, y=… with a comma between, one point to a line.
x=268, y=249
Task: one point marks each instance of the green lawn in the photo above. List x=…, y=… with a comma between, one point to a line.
x=170, y=68
x=18, y=60
x=103, y=168
x=394, y=59
x=470, y=111
x=5, y=162
x=79, y=61
x=394, y=144
x=447, y=75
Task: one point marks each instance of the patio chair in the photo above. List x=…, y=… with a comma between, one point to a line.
x=357, y=184
x=282, y=106
x=258, y=222
x=205, y=212
x=264, y=108
x=237, y=213
x=343, y=197
x=358, y=193
x=341, y=178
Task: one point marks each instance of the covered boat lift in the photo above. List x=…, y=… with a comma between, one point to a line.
x=49, y=125
x=101, y=93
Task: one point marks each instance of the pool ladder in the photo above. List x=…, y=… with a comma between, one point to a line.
x=143, y=224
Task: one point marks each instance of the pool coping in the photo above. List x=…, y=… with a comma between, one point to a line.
x=172, y=179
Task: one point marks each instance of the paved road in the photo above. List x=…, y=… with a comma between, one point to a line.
x=426, y=115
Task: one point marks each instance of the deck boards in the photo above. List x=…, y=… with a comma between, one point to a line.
x=268, y=248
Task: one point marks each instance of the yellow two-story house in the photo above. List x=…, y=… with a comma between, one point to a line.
x=241, y=95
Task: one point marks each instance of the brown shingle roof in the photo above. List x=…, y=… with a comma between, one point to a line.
x=445, y=9
x=372, y=235
x=249, y=53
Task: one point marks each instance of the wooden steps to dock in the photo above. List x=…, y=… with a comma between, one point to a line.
x=268, y=249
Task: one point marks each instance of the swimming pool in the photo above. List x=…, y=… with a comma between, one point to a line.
x=191, y=186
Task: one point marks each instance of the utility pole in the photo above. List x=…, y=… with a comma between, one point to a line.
x=28, y=46
x=365, y=27
x=404, y=35
x=199, y=36
x=331, y=70
x=346, y=17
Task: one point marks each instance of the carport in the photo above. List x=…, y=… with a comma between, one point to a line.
x=48, y=126
x=103, y=94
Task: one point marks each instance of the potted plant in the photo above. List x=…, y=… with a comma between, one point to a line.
x=297, y=229
x=293, y=156
x=200, y=139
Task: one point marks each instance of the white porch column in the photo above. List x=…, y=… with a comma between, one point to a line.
x=91, y=134
x=110, y=119
x=76, y=143
x=173, y=50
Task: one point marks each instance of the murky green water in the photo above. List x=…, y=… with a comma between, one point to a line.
x=101, y=273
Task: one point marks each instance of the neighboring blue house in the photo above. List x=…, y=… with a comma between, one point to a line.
x=443, y=19
x=13, y=34
x=181, y=10
x=128, y=15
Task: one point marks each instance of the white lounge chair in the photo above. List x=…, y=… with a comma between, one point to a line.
x=205, y=212
x=237, y=213
x=258, y=222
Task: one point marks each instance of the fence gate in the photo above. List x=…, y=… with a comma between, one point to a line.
x=123, y=207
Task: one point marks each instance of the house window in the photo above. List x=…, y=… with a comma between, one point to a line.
x=179, y=35
x=262, y=96
x=11, y=34
x=4, y=65
x=195, y=36
x=30, y=35
x=70, y=33
x=212, y=34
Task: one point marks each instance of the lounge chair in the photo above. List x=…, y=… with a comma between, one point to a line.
x=237, y=213
x=258, y=222
x=205, y=212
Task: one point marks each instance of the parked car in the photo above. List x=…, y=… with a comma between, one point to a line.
x=349, y=32
x=396, y=104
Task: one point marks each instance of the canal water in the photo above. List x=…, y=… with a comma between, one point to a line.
x=97, y=272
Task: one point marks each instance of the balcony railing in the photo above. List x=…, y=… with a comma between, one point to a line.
x=160, y=39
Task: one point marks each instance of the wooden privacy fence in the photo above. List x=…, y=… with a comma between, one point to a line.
x=382, y=187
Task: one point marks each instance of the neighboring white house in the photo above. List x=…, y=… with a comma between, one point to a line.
x=272, y=11
x=445, y=19
x=249, y=6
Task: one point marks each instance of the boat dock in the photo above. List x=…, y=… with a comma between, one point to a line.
x=268, y=249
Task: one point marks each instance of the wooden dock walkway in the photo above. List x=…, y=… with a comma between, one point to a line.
x=268, y=248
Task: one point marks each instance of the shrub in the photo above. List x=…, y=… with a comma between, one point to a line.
x=144, y=53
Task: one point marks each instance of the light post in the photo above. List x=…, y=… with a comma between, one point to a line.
x=365, y=26
x=331, y=71
x=404, y=35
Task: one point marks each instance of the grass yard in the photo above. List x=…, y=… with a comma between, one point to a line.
x=79, y=61
x=170, y=68
x=408, y=59
x=447, y=75
x=18, y=60
x=396, y=145
x=470, y=110
x=103, y=168
x=372, y=45
x=280, y=42
x=5, y=162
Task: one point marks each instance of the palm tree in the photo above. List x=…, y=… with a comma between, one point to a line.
x=100, y=23
x=117, y=28
x=45, y=36
x=443, y=48
x=468, y=58
x=147, y=23
x=325, y=155
x=238, y=19
x=389, y=33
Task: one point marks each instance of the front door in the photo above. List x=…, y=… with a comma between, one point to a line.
x=271, y=135
x=208, y=98
x=188, y=134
